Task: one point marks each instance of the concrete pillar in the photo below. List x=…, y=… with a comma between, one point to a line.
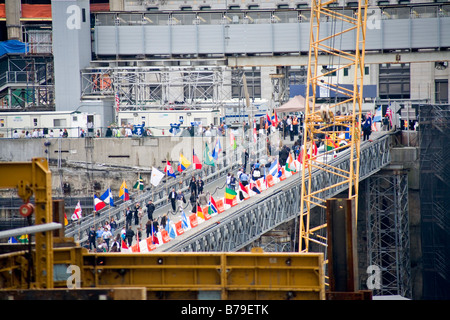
x=71, y=50
x=13, y=13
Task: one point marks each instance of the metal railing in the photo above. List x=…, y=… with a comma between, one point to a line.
x=253, y=218
x=79, y=230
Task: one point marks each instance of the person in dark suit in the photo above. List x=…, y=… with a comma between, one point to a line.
x=200, y=185
x=173, y=197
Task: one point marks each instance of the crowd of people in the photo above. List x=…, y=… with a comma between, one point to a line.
x=290, y=128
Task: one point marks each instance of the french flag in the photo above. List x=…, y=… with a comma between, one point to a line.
x=98, y=203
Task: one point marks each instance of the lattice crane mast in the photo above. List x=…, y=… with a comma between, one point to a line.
x=341, y=131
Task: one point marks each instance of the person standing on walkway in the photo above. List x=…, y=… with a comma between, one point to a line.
x=92, y=237
x=200, y=185
x=107, y=237
x=150, y=210
x=180, y=200
x=367, y=128
x=193, y=187
x=129, y=235
x=172, y=198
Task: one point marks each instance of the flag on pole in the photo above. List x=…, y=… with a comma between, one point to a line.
x=217, y=149
x=117, y=101
x=274, y=119
x=169, y=170
x=377, y=117
x=156, y=176
x=12, y=240
x=273, y=170
x=389, y=114
x=254, y=187
x=23, y=238
x=107, y=197
x=154, y=236
x=124, y=247
x=172, y=232
x=290, y=165
x=230, y=195
x=183, y=164
x=207, y=157
x=232, y=140
x=269, y=121
x=196, y=161
x=123, y=192
x=98, y=204
x=139, y=183
x=243, y=191
x=77, y=213
x=184, y=221
x=212, y=206
x=200, y=212
x=137, y=242
x=329, y=144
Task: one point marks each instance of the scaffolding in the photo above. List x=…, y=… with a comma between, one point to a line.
x=137, y=88
x=388, y=241
x=337, y=130
x=434, y=138
x=26, y=82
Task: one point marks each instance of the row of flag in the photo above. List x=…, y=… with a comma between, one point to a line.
x=214, y=207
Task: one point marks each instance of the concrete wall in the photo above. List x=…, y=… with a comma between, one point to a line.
x=128, y=152
x=71, y=50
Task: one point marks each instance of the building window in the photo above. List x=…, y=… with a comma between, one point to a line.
x=394, y=81
x=253, y=77
x=345, y=72
x=441, y=91
x=366, y=70
x=297, y=75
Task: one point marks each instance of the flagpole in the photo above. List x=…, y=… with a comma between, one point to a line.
x=109, y=203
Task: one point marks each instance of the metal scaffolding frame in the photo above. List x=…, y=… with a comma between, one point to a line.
x=159, y=87
x=342, y=131
x=434, y=139
x=27, y=82
x=388, y=241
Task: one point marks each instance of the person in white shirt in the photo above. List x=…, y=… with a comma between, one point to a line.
x=106, y=235
x=128, y=132
x=15, y=134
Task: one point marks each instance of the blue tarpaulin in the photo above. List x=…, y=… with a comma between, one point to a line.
x=13, y=46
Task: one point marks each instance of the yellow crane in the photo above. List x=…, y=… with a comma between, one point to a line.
x=341, y=131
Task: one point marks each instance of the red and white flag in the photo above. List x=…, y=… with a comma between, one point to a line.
x=77, y=213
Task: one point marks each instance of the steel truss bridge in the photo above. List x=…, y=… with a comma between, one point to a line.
x=249, y=220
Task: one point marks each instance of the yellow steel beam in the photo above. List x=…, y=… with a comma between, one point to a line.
x=228, y=275
x=34, y=178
